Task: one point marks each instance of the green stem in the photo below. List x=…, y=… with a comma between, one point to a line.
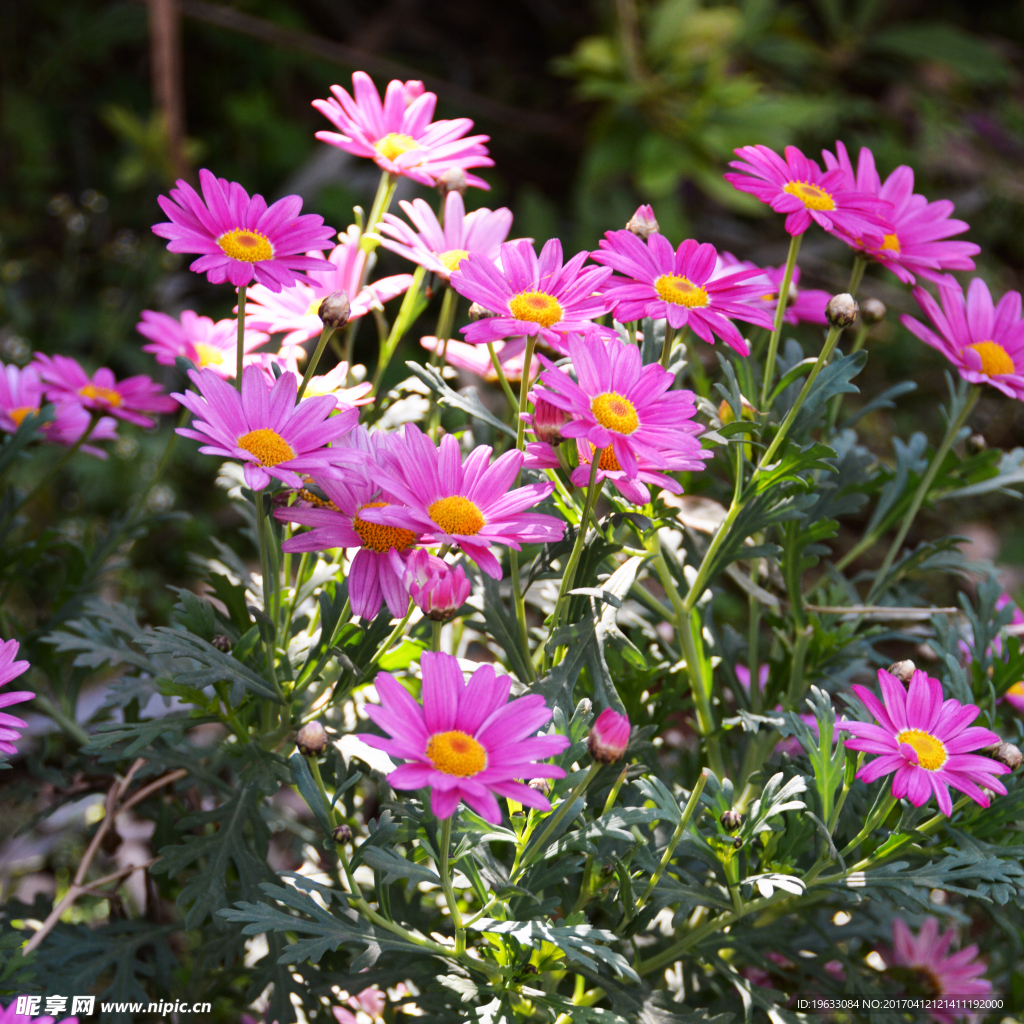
x=593, y=488
x=780, y=314
x=445, y=841
x=325, y=336
x=875, y=819
x=443, y=331
x=402, y=323
x=502, y=379
x=314, y=770
x=435, y=636
x=240, y=343
x=524, y=390
x=381, y=202
x=856, y=274
x=671, y=337
x=268, y=586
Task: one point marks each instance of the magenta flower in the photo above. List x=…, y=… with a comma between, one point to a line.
x=681, y=287
x=985, y=344
x=209, y=345
x=469, y=504
x=126, y=400
x=925, y=741
x=935, y=972
x=532, y=296
x=623, y=406
x=467, y=741
x=438, y=589
x=10, y=1015
x=806, y=305
x=399, y=135
x=442, y=249
x=376, y=570
x=476, y=359
x=11, y=669
x=293, y=310
x=608, y=737
x=919, y=241
x=264, y=428
x=239, y=238
x=798, y=187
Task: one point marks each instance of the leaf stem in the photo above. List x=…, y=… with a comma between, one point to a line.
x=240, y=341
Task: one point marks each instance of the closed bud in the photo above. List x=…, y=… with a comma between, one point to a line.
x=542, y=786
x=478, y=312
x=1005, y=753
x=841, y=310
x=437, y=589
x=976, y=444
x=643, y=223
x=609, y=737
x=312, y=739
x=453, y=180
x=334, y=310
x=548, y=420
x=222, y=643
x=731, y=820
x=903, y=670
x=342, y=834
x=872, y=310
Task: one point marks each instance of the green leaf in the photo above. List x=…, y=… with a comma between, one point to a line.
x=472, y=406
x=939, y=42
x=502, y=627
x=393, y=866
x=309, y=792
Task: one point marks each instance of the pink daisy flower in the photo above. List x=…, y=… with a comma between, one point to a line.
x=919, y=241
x=442, y=249
x=399, y=135
x=808, y=305
x=798, y=187
x=438, y=589
x=293, y=310
x=476, y=359
x=10, y=1015
x=623, y=406
x=926, y=741
x=11, y=669
x=468, y=505
x=531, y=296
x=985, y=344
x=934, y=971
x=211, y=346
x=262, y=426
x=126, y=400
x=241, y=238
x=333, y=383
x=681, y=287
x=467, y=741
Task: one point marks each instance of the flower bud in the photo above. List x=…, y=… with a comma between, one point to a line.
x=643, y=223
x=903, y=670
x=731, y=820
x=222, y=643
x=453, y=180
x=872, y=310
x=311, y=739
x=548, y=420
x=976, y=444
x=542, y=786
x=334, y=310
x=477, y=312
x=438, y=589
x=725, y=413
x=841, y=310
x=342, y=834
x=609, y=737
x=1005, y=753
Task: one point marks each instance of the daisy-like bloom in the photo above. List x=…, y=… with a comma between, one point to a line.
x=531, y=296
x=438, y=589
x=624, y=407
x=805, y=306
x=476, y=359
x=799, y=188
x=377, y=568
x=333, y=383
x=442, y=249
x=398, y=135
x=984, y=343
x=466, y=505
x=467, y=741
x=211, y=346
x=919, y=240
x=370, y=1001
x=681, y=287
x=293, y=310
x=924, y=962
x=262, y=426
x=127, y=400
x=927, y=742
x=11, y=669
x=239, y=238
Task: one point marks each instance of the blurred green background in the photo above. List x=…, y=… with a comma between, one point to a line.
x=593, y=106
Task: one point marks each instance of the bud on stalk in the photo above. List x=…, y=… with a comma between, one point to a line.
x=609, y=737
x=547, y=420
x=841, y=310
x=334, y=310
x=872, y=311
x=312, y=740
x=643, y=223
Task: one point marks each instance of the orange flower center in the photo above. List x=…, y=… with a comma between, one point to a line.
x=457, y=515
x=456, y=753
x=811, y=196
x=209, y=355
x=246, y=246
x=377, y=536
x=268, y=446
x=615, y=411
x=19, y=414
x=108, y=395
x=607, y=462
x=452, y=258
x=931, y=753
x=394, y=144
x=892, y=243
x=536, y=307
x=995, y=360
x=681, y=291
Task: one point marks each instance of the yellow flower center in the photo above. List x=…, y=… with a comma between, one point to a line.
x=395, y=144
x=313, y=309
x=209, y=355
x=457, y=515
x=607, y=462
x=108, y=395
x=377, y=536
x=811, y=196
x=681, y=291
x=615, y=411
x=19, y=414
x=931, y=754
x=245, y=245
x=536, y=307
x=1017, y=689
x=268, y=446
x=995, y=360
x=892, y=243
x=455, y=753
x=452, y=258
